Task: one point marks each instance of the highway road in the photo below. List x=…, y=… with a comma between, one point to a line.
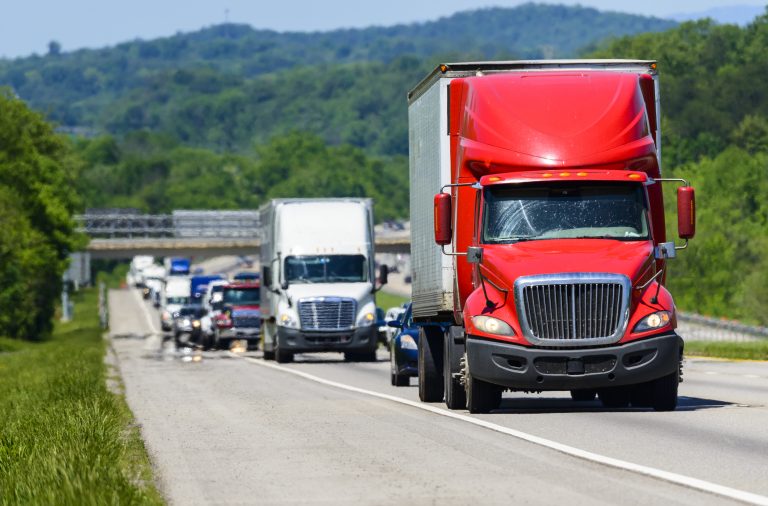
x=227, y=428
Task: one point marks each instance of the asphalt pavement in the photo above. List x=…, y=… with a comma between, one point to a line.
x=228, y=428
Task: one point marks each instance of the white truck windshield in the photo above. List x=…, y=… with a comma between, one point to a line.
x=326, y=269
x=565, y=211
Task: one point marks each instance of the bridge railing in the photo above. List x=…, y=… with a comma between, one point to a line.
x=179, y=224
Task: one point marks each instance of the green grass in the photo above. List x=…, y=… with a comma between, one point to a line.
x=387, y=300
x=64, y=437
x=757, y=350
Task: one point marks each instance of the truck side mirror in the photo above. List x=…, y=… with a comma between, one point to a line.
x=686, y=212
x=383, y=274
x=442, y=217
x=267, y=276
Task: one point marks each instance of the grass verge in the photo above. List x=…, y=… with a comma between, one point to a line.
x=64, y=437
x=387, y=300
x=757, y=350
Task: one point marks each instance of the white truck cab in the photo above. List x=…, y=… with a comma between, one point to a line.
x=177, y=293
x=318, y=283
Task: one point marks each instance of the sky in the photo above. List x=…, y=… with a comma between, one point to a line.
x=26, y=26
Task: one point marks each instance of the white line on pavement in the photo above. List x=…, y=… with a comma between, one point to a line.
x=678, y=479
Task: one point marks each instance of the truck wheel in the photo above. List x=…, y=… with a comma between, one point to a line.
x=430, y=365
x=641, y=396
x=614, y=397
x=364, y=356
x=482, y=397
x=583, y=395
x=665, y=392
x=282, y=356
x=455, y=394
x=269, y=355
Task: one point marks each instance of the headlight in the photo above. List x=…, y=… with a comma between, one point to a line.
x=287, y=320
x=196, y=323
x=653, y=321
x=366, y=320
x=166, y=316
x=407, y=342
x=186, y=322
x=492, y=325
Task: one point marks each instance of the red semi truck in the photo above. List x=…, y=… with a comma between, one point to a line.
x=538, y=237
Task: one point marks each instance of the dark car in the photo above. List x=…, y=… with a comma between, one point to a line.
x=404, y=349
x=240, y=318
x=186, y=327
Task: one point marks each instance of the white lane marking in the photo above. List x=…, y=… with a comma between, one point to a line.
x=712, y=373
x=145, y=311
x=678, y=479
x=751, y=376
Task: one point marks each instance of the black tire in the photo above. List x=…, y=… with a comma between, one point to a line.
x=641, y=396
x=399, y=380
x=665, y=392
x=269, y=355
x=430, y=365
x=583, y=395
x=455, y=394
x=482, y=397
x=364, y=356
x=614, y=397
x=283, y=356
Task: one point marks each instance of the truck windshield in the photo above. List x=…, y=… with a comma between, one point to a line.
x=326, y=269
x=565, y=211
x=177, y=300
x=241, y=296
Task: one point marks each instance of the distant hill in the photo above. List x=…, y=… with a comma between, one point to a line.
x=78, y=89
x=733, y=14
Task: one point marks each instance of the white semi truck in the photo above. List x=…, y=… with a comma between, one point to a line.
x=318, y=282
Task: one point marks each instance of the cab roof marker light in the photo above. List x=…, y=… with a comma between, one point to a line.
x=582, y=174
x=565, y=174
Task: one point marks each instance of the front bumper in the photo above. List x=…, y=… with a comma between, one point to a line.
x=523, y=368
x=354, y=340
x=248, y=334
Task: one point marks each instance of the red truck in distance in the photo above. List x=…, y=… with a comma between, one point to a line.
x=539, y=244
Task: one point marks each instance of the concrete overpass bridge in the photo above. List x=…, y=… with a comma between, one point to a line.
x=198, y=234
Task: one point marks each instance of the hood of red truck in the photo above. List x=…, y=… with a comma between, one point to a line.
x=507, y=262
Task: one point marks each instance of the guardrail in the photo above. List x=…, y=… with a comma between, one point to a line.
x=693, y=327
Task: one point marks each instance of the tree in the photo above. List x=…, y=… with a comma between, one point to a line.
x=37, y=174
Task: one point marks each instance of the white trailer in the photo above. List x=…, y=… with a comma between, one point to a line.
x=318, y=283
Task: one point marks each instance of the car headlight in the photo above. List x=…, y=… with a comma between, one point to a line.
x=166, y=316
x=287, y=320
x=186, y=322
x=407, y=342
x=366, y=320
x=196, y=323
x=653, y=321
x=492, y=325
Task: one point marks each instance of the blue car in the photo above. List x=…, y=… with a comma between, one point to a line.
x=404, y=349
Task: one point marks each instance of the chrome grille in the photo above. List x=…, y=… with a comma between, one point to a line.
x=327, y=313
x=573, y=309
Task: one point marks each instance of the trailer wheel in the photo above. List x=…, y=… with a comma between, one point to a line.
x=614, y=397
x=430, y=365
x=482, y=397
x=455, y=394
x=665, y=392
x=583, y=395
